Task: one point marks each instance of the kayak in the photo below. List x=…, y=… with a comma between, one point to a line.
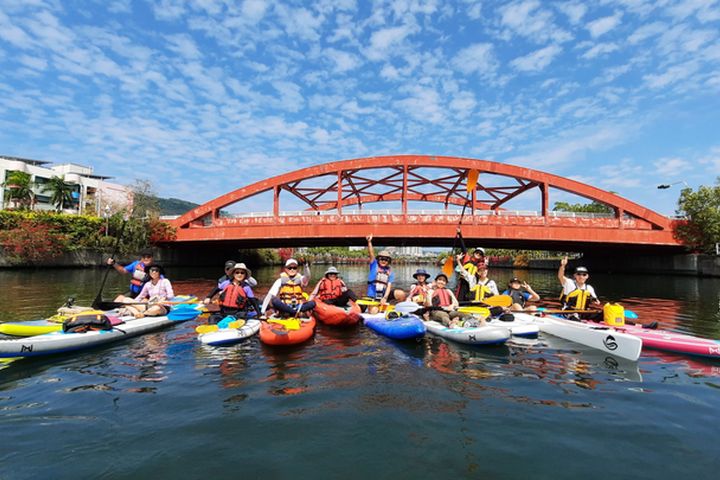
x=228, y=336
x=61, y=342
x=517, y=328
x=603, y=338
x=29, y=328
x=485, y=335
x=405, y=327
x=670, y=341
x=334, y=315
x=54, y=324
x=281, y=332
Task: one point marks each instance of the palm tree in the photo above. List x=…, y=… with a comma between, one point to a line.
x=60, y=191
x=18, y=189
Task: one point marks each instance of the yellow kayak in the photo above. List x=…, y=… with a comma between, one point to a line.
x=30, y=328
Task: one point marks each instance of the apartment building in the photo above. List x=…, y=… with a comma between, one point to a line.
x=93, y=194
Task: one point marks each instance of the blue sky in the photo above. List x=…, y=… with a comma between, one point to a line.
x=207, y=96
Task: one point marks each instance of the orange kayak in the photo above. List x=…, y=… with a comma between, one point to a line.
x=339, y=316
x=272, y=333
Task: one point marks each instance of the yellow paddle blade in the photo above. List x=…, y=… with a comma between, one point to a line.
x=448, y=266
x=498, y=301
x=288, y=323
x=236, y=324
x=482, y=311
x=472, y=179
x=368, y=302
x=206, y=328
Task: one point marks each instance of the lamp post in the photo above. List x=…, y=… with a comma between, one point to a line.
x=106, y=214
x=665, y=186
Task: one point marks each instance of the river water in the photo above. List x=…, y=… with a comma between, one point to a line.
x=351, y=404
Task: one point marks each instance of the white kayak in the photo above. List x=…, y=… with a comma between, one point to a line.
x=228, y=336
x=605, y=339
x=517, y=328
x=485, y=335
x=61, y=342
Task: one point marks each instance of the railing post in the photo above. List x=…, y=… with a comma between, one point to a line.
x=339, y=189
x=545, y=199
x=404, y=190
x=620, y=214
x=276, y=201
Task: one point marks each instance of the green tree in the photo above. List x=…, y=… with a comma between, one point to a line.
x=593, y=207
x=60, y=191
x=701, y=210
x=18, y=190
x=145, y=201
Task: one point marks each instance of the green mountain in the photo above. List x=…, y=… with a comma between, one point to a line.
x=174, y=206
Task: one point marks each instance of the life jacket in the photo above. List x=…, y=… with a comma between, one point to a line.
x=290, y=288
x=139, y=276
x=419, y=292
x=482, y=291
x=382, y=277
x=330, y=289
x=517, y=296
x=472, y=264
x=87, y=321
x=441, y=298
x=234, y=296
x=577, y=299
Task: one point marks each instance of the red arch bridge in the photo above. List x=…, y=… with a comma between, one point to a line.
x=427, y=195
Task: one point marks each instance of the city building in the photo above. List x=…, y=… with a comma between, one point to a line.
x=92, y=194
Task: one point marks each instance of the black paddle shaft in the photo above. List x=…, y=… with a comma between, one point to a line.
x=98, y=299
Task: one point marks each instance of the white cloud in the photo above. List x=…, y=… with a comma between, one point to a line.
x=647, y=31
x=383, y=42
x=603, y=25
x=574, y=11
x=478, y=58
x=183, y=45
x=671, y=166
x=528, y=19
x=35, y=63
x=344, y=61
x=600, y=49
x=672, y=75
x=254, y=10
x=537, y=60
x=300, y=22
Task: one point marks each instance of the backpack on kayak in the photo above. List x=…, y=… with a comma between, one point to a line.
x=87, y=321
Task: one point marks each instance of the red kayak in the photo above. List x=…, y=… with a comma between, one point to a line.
x=289, y=331
x=337, y=316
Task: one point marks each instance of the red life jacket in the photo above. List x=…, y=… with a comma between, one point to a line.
x=234, y=296
x=441, y=298
x=330, y=289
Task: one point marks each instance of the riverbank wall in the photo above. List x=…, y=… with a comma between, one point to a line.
x=687, y=265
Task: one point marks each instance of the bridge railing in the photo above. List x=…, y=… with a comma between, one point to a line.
x=453, y=212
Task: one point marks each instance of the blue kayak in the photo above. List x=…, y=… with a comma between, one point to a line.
x=405, y=327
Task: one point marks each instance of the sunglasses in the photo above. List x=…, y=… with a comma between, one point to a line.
x=383, y=259
x=291, y=268
x=581, y=274
x=240, y=272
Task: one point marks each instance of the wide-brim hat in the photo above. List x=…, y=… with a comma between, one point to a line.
x=386, y=254
x=241, y=266
x=421, y=271
x=331, y=270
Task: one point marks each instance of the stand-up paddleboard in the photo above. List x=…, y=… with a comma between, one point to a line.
x=228, y=336
x=484, y=335
x=603, y=338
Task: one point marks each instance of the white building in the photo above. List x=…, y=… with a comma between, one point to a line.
x=93, y=193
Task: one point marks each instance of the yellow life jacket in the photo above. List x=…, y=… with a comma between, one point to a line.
x=481, y=292
x=575, y=300
x=290, y=288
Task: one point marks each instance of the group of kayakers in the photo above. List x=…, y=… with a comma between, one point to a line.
x=287, y=297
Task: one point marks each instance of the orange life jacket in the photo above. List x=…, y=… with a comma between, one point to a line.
x=441, y=298
x=419, y=292
x=234, y=296
x=330, y=289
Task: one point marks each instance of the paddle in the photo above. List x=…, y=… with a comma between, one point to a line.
x=98, y=299
x=449, y=266
x=494, y=301
x=202, y=329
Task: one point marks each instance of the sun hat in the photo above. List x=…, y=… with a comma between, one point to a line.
x=581, y=270
x=384, y=253
x=229, y=264
x=421, y=271
x=479, y=249
x=241, y=266
x=331, y=270
x=291, y=261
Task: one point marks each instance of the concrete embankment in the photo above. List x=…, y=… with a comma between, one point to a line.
x=688, y=265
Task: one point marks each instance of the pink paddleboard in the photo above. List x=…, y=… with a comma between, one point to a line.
x=673, y=341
